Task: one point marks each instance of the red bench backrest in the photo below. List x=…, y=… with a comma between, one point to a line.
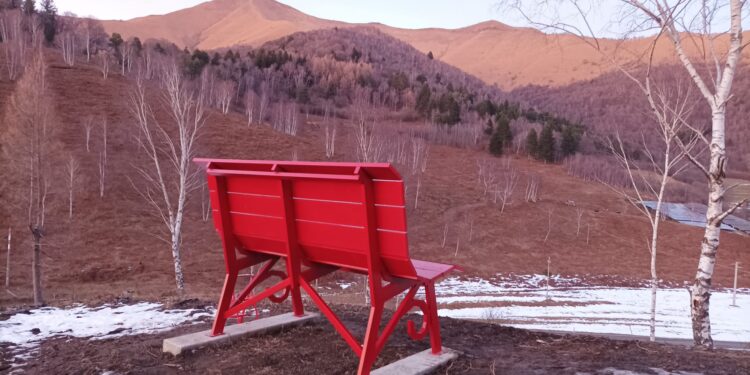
x=329, y=207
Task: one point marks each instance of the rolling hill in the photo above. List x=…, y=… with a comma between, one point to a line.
x=499, y=54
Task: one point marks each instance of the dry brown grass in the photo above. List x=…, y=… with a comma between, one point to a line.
x=107, y=252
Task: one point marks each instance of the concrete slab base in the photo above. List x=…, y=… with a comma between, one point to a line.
x=418, y=364
x=181, y=344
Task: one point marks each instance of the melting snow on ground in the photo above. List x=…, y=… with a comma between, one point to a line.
x=26, y=330
x=597, y=309
x=345, y=285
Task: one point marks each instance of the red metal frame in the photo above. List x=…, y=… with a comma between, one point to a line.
x=298, y=209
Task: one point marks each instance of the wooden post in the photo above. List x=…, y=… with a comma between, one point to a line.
x=7, y=260
x=734, y=291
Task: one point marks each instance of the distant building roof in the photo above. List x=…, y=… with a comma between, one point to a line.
x=694, y=214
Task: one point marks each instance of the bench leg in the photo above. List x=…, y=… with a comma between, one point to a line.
x=224, y=302
x=370, y=347
x=433, y=321
x=294, y=273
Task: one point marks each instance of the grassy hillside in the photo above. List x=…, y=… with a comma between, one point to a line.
x=109, y=250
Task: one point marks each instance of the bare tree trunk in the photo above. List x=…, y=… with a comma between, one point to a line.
x=701, y=289
x=549, y=264
x=104, y=140
x=176, y=257
x=734, y=289
x=205, y=201
x=7, y=258
x=104, y=63
x=88, y=44
x=36, y=267
x=102, y=171
x=87, y=126
x=416, y=196
x=72, y=169
x=654, y=277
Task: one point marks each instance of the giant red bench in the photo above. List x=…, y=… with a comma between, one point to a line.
x=319, y=218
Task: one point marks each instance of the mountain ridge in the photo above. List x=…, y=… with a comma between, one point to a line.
x=507, y=56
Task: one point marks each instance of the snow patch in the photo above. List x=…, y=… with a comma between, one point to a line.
x=25, y=331
x=345, y=285
x=527, y=303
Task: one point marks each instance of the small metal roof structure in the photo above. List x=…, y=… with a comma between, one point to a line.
x=694, y=214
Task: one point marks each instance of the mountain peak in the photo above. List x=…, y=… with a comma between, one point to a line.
x=495, y=52
x=489, y=24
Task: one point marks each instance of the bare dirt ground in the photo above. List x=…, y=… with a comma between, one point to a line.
x=317, y=348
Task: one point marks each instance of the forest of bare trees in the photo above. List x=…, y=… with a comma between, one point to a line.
x=711, y=73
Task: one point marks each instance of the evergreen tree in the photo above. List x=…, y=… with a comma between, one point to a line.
x=116, y=41
x=137, y=46
x=486, y=107
x=430, y=55
x=423, y=101
x=195, y=64
x=230, y=56
x=546, y=147
x=399, y=81
x=29, y=7
x=569, y=142
x=48, y=19
x=532, y=143
x=216, y=60
x=503, y=127
x=450, y=110
x=497, y=142
x=303, y=95
x=356, y=55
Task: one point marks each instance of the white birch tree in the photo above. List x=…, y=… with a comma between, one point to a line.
x=104, y=63
x=71, y=169
x=169, y=175
x=664, y=165
x=712, y=70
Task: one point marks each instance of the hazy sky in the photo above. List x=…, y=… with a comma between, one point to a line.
x=398, y=13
